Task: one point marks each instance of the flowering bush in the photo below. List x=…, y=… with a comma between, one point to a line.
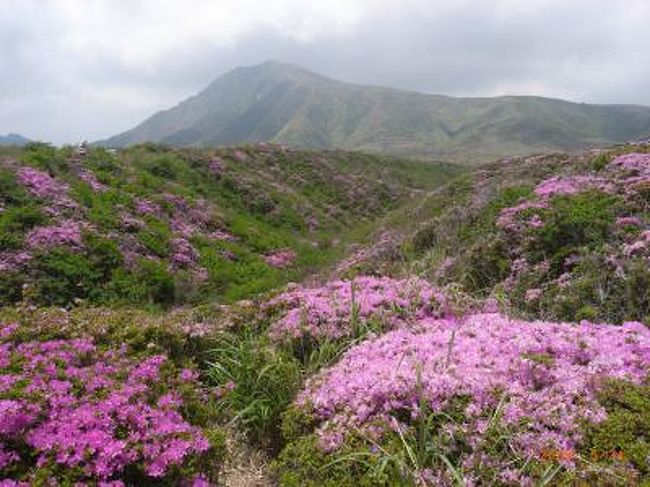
x=635, y=165
x=89, y=178
x=535, y=383
x=73, y=412
x=146, y=207
x=280, y=258
x=183, y=253
x=216, y=166
x=330, y=311
x=13, y=261
x=41, y=184
x=67, y=232
x=556, y=186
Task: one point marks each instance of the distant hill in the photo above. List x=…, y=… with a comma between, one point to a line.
x=13, y=140
x=284, y=103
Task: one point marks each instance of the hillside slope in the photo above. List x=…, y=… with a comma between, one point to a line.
x=286, y=104
x=153, y=225
x=439, y=356
x=562, y=237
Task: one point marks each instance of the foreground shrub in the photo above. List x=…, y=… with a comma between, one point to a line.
x=336, y=309
x=71, y=411
x=626, y=431
x=490, y=394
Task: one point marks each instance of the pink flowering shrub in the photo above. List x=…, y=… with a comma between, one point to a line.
x=571, y=185
x=599, y=215
x=635, y=165
x=41, y=184
x=629, y=221
x=67, y=233
x=183, y=253
x=330, y=311
x=89, y=178
x=532, y=384
x=640, y=246
x=146, y=207
x=617, y=181
x=12, y=261
x=280, y=258
x=216, y=166
x=71, y=411
x=222, y=235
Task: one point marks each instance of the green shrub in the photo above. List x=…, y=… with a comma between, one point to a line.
x=486, y=264
x=304, y=463
x=426, y=237
x=624, y=437
x=45, y=156
x=156, y=236
x=573, y=222
x=11, y=287
x=600, y=162
x=11, y=193
x=599, y=292
x=61, y=276
x=104, y=255
x=150, y=283
x=15, y=222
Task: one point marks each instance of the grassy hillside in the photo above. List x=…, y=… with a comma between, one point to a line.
x=554, y=237
x=492, y=331
x=286, y=104
x=154, y=225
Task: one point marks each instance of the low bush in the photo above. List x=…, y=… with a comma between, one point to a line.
x=73, y=411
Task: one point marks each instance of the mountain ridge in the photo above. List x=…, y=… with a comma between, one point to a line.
x=13, y=139
x=284, y=103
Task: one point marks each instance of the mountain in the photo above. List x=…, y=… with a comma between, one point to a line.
x=283, y=103
x=13, y=140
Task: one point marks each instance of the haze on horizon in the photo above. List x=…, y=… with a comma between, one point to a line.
x=74, y=69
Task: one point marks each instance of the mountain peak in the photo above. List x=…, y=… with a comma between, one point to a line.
x=285, y=103
x=274, y=69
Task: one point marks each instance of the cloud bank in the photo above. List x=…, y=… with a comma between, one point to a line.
x=87, y=69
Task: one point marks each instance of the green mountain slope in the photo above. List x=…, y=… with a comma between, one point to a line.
x=13, y=140
x=161, y=226
x=286, y=104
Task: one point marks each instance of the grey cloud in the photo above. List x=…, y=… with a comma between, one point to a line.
x=586, y=51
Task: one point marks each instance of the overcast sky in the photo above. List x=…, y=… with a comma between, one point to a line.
x=88, y=69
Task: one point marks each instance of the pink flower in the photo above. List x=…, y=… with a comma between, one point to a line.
x=280, y=258
x=533, y=294
x=545, y=373
x=146, y=207
x=67, y=232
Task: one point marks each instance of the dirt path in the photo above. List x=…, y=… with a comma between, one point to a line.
x=245, y=466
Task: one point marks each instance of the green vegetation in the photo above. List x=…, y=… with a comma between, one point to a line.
x=410, y=355
x=163, y=227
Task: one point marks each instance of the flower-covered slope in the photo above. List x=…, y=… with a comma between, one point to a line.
x=158, y=225
x=555, y=237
